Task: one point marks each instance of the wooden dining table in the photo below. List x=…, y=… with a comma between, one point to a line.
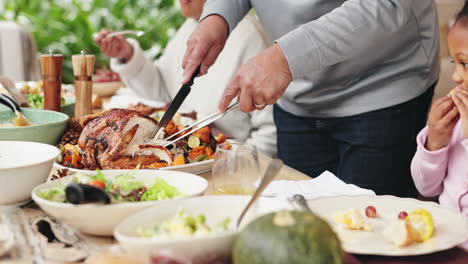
x=101, y=245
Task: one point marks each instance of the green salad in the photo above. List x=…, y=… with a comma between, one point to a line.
x=37, y=100
x=123, y=188
x=183, y=225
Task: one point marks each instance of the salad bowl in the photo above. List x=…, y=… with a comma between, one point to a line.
x=100, y=219
x=213, y=209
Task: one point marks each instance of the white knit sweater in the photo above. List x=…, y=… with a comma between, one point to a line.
x=161, y=80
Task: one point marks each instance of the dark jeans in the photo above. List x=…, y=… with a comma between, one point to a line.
x=371, y=150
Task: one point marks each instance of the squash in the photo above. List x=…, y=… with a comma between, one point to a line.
x=287, y=237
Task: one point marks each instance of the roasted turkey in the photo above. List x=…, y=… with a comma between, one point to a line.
x=118, y=139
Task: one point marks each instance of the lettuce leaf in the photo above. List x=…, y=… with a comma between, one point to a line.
x=127, y=183
x=160, y=190
x=99, y=176
x=54, y=194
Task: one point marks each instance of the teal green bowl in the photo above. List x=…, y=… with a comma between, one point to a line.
x=69, y=107
x=49, y=126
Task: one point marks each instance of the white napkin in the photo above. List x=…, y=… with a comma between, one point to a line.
x=326, y=184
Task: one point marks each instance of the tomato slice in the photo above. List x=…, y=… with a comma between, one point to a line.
x=98, y=184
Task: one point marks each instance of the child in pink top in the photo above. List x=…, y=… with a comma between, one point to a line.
x=440, y=165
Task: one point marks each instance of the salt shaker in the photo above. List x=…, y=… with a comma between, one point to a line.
x=83, y=68
x=51, y=68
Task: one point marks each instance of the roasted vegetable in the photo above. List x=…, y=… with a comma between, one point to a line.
x=195, y=152
x=203, y=134
x=179, y=160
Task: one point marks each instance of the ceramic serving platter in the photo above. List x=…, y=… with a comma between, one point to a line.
x=451, y=228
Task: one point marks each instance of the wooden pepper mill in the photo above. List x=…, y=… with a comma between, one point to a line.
x=83, y=68
x=51, y=68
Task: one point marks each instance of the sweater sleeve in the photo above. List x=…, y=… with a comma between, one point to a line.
x=263, y=129
x=429, y=168
x=338, y=36
x=232, y=10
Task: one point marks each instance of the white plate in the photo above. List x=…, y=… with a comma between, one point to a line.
x=99, y=219
x=215, y=209
x=194, y=168
x=451, y=228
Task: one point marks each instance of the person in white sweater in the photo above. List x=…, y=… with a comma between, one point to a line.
x=161, y=80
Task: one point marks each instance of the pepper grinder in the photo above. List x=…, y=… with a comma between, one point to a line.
x=51, y=68
x=83, y=68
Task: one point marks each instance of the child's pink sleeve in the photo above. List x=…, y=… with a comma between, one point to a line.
x=429, y=168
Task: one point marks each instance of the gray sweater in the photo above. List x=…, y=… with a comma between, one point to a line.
x=347, y=57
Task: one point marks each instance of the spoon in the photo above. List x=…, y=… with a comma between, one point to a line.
x=272, y=170
x=137, y=33
x=301, y=201
x=20, y=120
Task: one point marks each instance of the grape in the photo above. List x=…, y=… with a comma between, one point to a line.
x=402, y=215
x=371, y=212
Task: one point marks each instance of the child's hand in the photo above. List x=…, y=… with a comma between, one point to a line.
x=460, y=98
x=441, y=121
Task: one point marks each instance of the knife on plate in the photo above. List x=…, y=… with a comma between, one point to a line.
x=176, y=103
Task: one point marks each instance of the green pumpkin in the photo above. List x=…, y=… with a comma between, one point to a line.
x=288, y=237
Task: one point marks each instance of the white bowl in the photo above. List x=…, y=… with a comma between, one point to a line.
x=100, y=219
x=23, y=166
x=106, y=89
x=215, y=208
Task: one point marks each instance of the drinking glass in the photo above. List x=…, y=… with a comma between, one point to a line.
x=236, y=169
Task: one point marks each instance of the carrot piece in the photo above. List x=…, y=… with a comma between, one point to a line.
x=209, y=152
x=195, y=152
x=203, y=134
x=225, y=146
x=171, y=128
x=220, y=138
x=155, y=165
x=179, y=128
x=72, y=155
x=179, y=160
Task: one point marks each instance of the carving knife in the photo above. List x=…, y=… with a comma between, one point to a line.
x=176, y=103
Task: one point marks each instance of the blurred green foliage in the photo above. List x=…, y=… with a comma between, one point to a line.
x=67, y=26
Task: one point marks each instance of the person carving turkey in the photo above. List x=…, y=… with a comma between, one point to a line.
x=161, y=80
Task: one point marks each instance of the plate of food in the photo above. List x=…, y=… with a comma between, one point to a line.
x=391, y=226
x=128, y=192
x=121, y=139
x=192, y=228
x=106, y=83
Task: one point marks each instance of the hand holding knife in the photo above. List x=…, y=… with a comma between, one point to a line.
x=176, y=103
